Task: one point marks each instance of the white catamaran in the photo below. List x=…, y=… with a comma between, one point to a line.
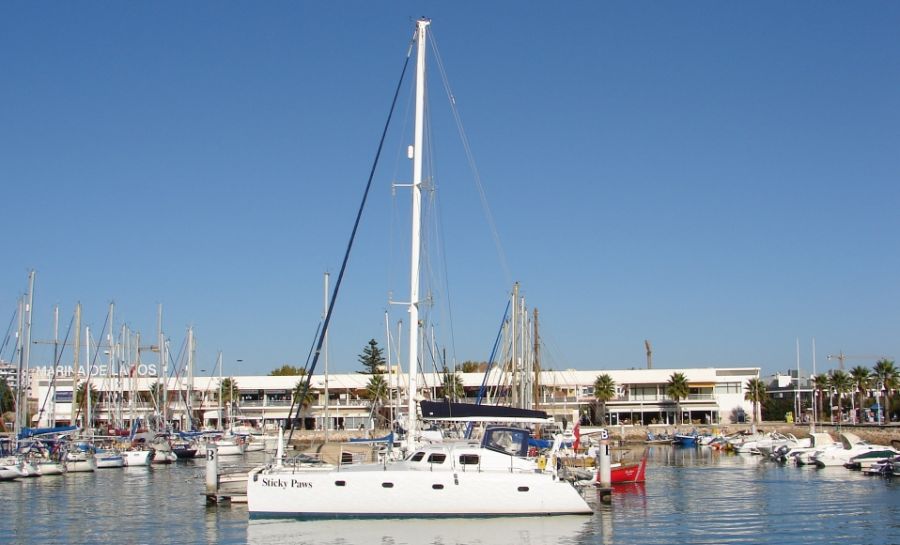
x=490, y=478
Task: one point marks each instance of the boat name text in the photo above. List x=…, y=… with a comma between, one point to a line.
x=286, y=483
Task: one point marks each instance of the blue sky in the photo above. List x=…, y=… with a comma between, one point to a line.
x=719, y=178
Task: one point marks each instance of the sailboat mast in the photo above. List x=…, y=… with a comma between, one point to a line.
x=86, y=399
x=190, y=382
x=76, y=353
x=52, y=418
x=163, y=370
x=325, y=422
x=417, y=152
x=26, y=351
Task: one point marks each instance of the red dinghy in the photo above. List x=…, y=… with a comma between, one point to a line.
x=630, y=473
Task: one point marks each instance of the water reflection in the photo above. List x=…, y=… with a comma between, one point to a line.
x=486, y=531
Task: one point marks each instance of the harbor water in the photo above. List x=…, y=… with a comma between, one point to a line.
x=691, y=496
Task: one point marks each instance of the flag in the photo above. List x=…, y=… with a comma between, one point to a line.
x=577, y=433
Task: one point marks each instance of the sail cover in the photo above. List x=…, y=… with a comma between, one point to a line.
x=467, y=412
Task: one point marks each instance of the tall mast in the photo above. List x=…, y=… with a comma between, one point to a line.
x=536, y=384
x=76, y=353
x=797, y=391
x=52, y=419
x=26, y=352
x=163, y=371
x=190, y=381
x=86, y=399
x=815, y=415
x=387, y=335
x=20, y=368
x=221, y=393
x=325, y=423
x=417, y=152
x=109, y=362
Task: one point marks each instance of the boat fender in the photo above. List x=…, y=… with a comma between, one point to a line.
x=542, y=462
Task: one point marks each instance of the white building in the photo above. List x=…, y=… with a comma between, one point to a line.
x=716, y=395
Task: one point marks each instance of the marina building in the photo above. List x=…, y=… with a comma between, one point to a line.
x=715, y=396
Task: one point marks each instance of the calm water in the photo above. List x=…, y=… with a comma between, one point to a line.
x=691, y=496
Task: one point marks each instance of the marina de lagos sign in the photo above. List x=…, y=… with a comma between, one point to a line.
x=102, y=370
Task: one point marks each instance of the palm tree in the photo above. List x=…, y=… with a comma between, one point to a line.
x=887, y=378
x=228, y=389
x=307, y=398
x=79, y=394
x=861, y=377
x=841, y=384
x=756, y=394
x=376, y=389
x=452, y=385
x=604, y=390
x=820, y=383
x=677, y=389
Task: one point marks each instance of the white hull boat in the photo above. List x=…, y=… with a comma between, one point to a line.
x=49, y=467
x=852, y=446
x=80, y=462
x=229, y=447
x=109, y=459
x=445, y=480
x=137, y=457
x=495, y=478
x=9, y=472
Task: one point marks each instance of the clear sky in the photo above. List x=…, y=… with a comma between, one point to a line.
x=717, y=177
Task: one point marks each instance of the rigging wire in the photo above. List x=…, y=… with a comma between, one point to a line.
x=470, y=157
x=352, y=236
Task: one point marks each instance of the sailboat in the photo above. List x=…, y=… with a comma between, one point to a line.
x=491, y=478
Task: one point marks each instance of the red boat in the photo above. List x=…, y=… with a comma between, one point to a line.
x=626, y=473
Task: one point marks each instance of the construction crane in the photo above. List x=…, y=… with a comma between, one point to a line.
x=841, y=357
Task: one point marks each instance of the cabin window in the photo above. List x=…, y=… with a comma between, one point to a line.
x=468, y=459
x=437, y=458
x=417, y=457
x=340, y=483
x=387, y=485
x=437, y=486
x=523, y=489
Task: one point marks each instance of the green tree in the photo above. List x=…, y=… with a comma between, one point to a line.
x=451, y=385
x=79, y=395
x=604, y=390
x=154, y=395
x=886, y=378
x=677, y=389
x=372, y=359
x=228, y=390
x=287, y=371
x=307, y=399
x=841, y=384
x=472, y=366
x=821, y=383
x=7, y=398
x=756, y=394
x=861, y=377
x=376, y=390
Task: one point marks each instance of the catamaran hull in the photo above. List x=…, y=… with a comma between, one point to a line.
x=379, y=494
